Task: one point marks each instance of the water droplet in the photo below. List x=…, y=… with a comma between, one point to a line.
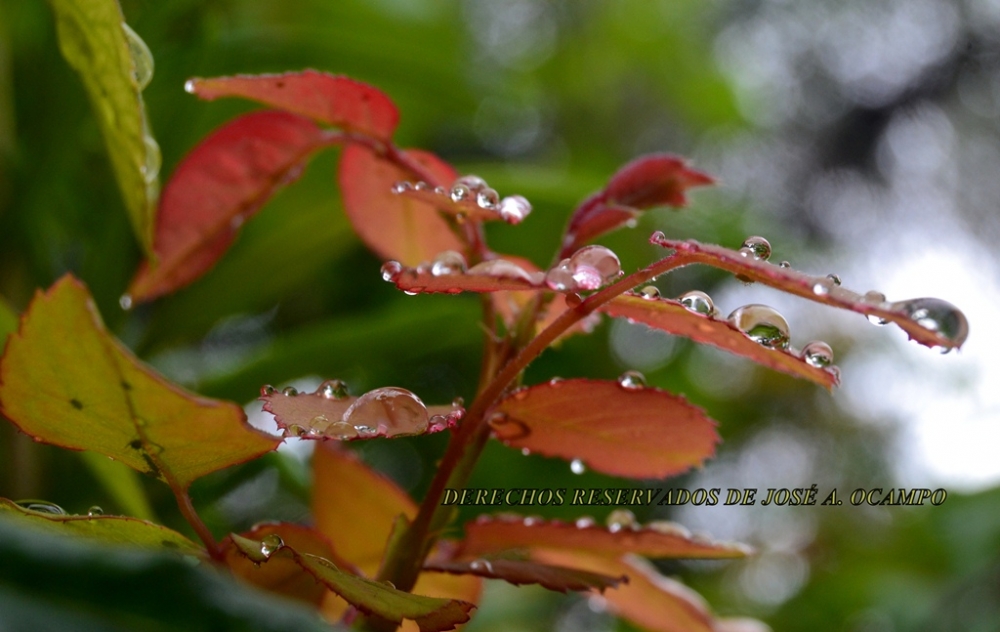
x=401, y=187
x=556, y=382
x=95, y=511
x=822, y=286
x=397, y=409
x=471, y=182
x=189, y=86
x=447, y=263
x=482, y=566
x=698, y=302
x=154, y=160
x=440, y=191
x=487, y=198
x=333, y=389
x=835, y=278
x=667, y=527
x=532, y=520
x=458, y=402
x=657, y=236
x=650, y=292
x=42, y=506
x=421, y=186
x=936, y=315
x=577, y=466
x=500, y=268
x=271, y=543
x=784, y=264
x=459, y=192
x=525, y=452
x=266, y=390
x=390, y=269
x=142, y=59
x=621, y=519
x=514, y=208
x=588, y=269
x=297, y=430
x=573, y=299
x=585, y=522
x=366, y=431
x=818, y=354
x=757, y=248
x=762, y=324
x=289, y=391
x=632, y=380
x=125, y=302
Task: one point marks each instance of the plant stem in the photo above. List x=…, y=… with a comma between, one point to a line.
x=189, y=513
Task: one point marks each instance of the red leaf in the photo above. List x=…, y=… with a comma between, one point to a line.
x=226, y=179
x=495, y=534
x=672, y=317
x=930, y=321
x=329, y=413
x=393, y=226
x=447, y=274
x=636, y=432
x=519, y=572
x=512, y=209
x=331, y=99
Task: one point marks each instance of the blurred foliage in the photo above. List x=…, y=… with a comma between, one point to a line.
x=544, y=99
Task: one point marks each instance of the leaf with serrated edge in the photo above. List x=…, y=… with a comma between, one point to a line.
x=116, y=530
x=672, y=317
x=65, y=381
x=650, y=600
x=224, y=181
x=801, y=284
x=431, y=614
x=92, y=39
x=394, y=227
x=317, y=416
x=519, y=572
x=332, y=99
x=639, y=433
x=490, y=535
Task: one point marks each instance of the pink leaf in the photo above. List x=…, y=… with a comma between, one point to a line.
x=448, y=274
x=226, y=179
x=519, y=572
x=330, y=413
x=393, y=226
x=620, y=429
x=331, y=99
x=672, y=317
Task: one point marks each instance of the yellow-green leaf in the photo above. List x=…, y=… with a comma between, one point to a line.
x=64, y=380
x=115, y=65
x=116, y=530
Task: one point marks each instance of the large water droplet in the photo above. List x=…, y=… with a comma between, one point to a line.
x=936, y=315
x=762, y=324
x=142, y=59
x=398, y=410
x=333, y=389
x=650, y=292
x=447, y=263
x=698, y=302
x=459, y=192
x=822, y=287
x=487, y=198
x=289, y=391
x=501, y=268
x=632, y=380
x=577, y=466
x=271, y=543
x=756, y=248
x=390, y=269
x=95, y=511
x=588, y=269
x=514, y=208
x=621, y=519
x=42, y=506
x=471, y=182
x=154, y=160
x=818, y=354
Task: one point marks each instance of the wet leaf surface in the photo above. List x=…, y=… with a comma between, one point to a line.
x=65, y=381
x=635, y=432
x=519, y=572
x=447, y=274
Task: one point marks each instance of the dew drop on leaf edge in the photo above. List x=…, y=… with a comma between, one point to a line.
x=762, y=324
x=698, y=302
x=818, y=354
x=632, y=381
x=270, y=543
x=757, y=248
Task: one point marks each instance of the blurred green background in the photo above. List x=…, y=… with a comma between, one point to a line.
x=858, y=137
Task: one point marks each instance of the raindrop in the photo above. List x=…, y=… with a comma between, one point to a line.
x=142, y=59
x=577, y=466
x=266, y=390
x=471, y=182
x=556, y=382
x=459, y=192
x=588, y=269
x=650, y=292
x=621, y=519
x=42, y=506
x=189, y=86
x=818, y=354
x=441, y=190
x=657, y=236
x=333, y=389
x=151, y=168
x=762, y=324
x=341, y=430
x=95, y=511
x=525, y=452
x=585, y=522
x=876, y=298
x=297, y=430
x=632, y=380
x=784, y=264
x=366, y=431
x=835, y=278
x=125, y=302
x=573, y=300
x=756, y=247
x=822, y=286
x=500, y=268
x=487, y=198
x=458, y=402
x=289, y=391
x=401, y=187
x=513, y=209
x=390, y=269
x=270, y=544
x=448, y=263
x=483, y=566
x=397, y=409
x=421, y=186
x=698, y=302
x=936, y=315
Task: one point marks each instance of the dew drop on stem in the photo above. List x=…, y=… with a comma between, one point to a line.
x=471, y=182
x=266, y=390
x=936, y=315
x=632, y=381
x=756, y=248
x=762, y=324
x=95, y=511
x=513, y=209
x=577, y=466
x=877, y=299
x=125, y=302
x=459, y=192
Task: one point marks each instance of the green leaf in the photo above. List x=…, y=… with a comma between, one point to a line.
x=114, y=65
x=117, y=530
x=56, y=583
x=64, y=380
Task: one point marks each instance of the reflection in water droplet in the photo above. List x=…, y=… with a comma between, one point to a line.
x=333, y=389
x=577, y=466
x=587, y=269
x=440, y=190
x=650, y=292
x=762, y=324
x=459, y=192
x=818, y=354
x=514, y=208
x=142, y=59
x=698, y=302
x=42, y=506
x=471, y=182
x=398, y=410
x=125, y=302
x=756, y=248
x=401, y=187
x=390, y=269
x=632, y=380
x=447, y=263
x=621, y=519
x=270, y=543
x=266, y=390
x=936, y=315
x=822, y=287
x=296, y=430
x=482, y=566
x=556, y=382
x=289, y=391
x=151, y=168
x=95, y=511
x=876, y=298
x=487, y=198
x=835, y=278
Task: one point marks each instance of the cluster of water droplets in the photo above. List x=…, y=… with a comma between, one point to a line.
x=586, y=269
x=472, y=189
